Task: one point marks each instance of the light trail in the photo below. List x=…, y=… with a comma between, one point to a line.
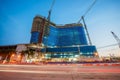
x=43, y=72
x=59, y=69
x=64, y=72
x=53, y=65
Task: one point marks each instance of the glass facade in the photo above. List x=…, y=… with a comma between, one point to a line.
x=60, y=42
x=64, y=42
x=65, y=36
x=70, y=52
x=34, y=37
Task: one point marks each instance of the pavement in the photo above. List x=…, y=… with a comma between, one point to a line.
x=58, y=72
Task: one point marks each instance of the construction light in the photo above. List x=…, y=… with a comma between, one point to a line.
x=13, y=55
x=18, y=56
x=74, y=59
x=96, y=54
x=76, y=55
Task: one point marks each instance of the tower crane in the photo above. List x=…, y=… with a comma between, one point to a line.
x=46, y=28
x=82, y=18
x=116, y=38
x=49, y=13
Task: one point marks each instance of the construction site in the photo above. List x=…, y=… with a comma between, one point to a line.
x=51, y=42
x=60, y=42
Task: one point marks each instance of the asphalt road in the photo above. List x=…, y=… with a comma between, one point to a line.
x=59, y=72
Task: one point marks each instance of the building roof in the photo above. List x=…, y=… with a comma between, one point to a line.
x=69, y=25
x=59, y=25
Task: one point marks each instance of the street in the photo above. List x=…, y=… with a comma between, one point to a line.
x=58, y=72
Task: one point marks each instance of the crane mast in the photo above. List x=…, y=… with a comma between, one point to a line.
x=46, y=27
x=49, y=12
x=82, y=18
x=90, y=42
x=116, y=38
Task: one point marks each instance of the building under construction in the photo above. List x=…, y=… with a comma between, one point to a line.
x=60, y=42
